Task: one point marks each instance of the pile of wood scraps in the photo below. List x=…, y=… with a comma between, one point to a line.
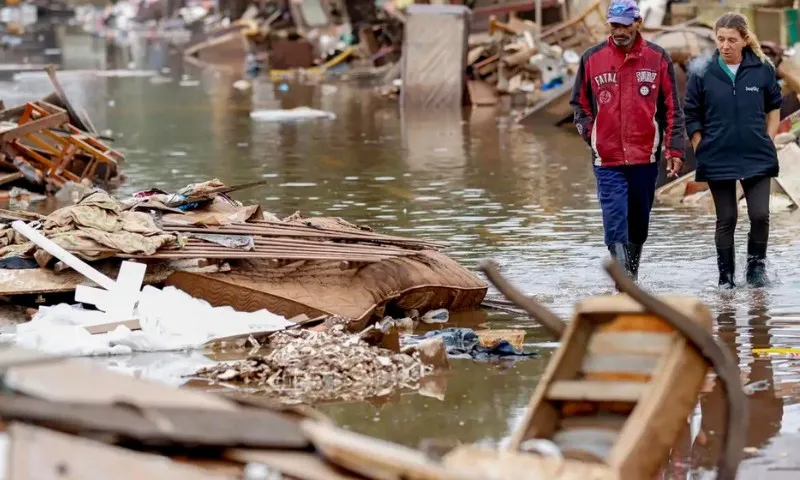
x=41, y=146
x=517, y=59
x=46, y=144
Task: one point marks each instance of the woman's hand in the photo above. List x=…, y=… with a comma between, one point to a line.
x=696, y=137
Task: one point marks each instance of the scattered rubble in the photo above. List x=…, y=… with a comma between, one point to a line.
x=305, y=366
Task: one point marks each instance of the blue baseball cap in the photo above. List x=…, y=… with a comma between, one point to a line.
x=624, y=12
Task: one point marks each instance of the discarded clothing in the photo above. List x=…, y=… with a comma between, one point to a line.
x=96, y=227
x=18, y=263
x=464, y=343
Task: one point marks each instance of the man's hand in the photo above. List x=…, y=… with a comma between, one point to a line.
x=674, y=165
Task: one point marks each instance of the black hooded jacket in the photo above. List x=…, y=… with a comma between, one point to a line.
x=732, y=117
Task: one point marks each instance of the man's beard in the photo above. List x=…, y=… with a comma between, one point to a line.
x=622, y=41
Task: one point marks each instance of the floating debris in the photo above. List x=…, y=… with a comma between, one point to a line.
x=309, y=367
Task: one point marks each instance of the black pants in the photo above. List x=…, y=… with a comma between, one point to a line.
x=756, y=192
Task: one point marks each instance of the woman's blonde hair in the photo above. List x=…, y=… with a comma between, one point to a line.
x=738, y=22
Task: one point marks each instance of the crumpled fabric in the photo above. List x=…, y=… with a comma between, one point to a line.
x=464, y=343
x=96, y=227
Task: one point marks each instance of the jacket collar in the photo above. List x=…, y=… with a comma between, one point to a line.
x=636, y=48
x=749, y=58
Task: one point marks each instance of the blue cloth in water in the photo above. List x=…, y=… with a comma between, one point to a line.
x=464, y=343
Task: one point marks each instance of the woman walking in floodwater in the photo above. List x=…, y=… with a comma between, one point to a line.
x=732, y=110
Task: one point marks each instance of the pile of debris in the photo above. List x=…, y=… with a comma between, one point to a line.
x=521, y=61
x=515, y=62
x=215, y=248
x=305, y=366
x=45, y=144
x=363, y=39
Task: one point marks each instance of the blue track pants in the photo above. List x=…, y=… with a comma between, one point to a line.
x=626, y=197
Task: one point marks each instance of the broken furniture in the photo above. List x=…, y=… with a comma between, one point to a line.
x=38, y=141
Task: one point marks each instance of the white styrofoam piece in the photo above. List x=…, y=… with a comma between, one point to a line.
x=170, y=320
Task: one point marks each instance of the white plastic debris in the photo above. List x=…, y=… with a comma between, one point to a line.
x=299, y=113
x=170, y=319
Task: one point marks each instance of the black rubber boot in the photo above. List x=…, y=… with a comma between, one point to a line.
x=634, y=254
x=727, y=267
x=620, y=252
x=756, y=273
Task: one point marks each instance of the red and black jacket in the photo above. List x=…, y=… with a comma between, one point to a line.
x=626, y=105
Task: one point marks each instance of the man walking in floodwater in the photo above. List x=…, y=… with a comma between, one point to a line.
x=627, y=109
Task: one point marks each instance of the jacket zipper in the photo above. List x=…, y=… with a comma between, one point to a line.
x=622, y=133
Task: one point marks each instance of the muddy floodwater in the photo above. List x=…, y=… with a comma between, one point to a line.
x=524, y=197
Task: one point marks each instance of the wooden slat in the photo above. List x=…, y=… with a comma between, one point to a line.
x=609, y=421
x=78, y=380
x=597, y=391
x=619, y=363
x=34, y=126
x=158, y=426
x=306, y=466
x=38, y=453
x=637, y=343
x=10, y=177
x=372, y=457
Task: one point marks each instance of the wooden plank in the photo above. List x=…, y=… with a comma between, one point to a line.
x=79, y=380
x=74, y=118
x=157, y=426
x=374, y=458
x=10, y=177
x=622, y=304
x=619, y=363
x=597, y=391
x=34, y=126
x=610, y=421
x=37, y=453
x=110, y=326
x=489, y=463
x=305, y=466
x=637, y=343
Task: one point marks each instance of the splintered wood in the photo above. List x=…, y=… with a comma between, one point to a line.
x=618, y=388
x=39, y=142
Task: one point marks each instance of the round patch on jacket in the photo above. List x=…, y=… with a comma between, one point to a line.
x=604, y=97
x=644, y=90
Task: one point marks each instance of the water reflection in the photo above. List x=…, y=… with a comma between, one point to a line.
x=525, y=197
